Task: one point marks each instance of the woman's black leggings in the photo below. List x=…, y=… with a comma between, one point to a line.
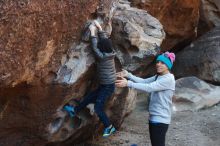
x=158, y=133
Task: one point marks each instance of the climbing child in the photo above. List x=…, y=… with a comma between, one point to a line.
x=102, y=48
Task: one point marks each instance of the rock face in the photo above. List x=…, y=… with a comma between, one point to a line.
x=77, y=62
x=44, y=65
x=136, y=35
x=210, y=11
x=35, y=34
x=193, y=94
x=201, y=58
x=36, y=37
x=179, y=18
x=209, y=15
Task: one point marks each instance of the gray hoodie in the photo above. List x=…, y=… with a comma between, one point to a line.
x=162, y=90
x=105, y=63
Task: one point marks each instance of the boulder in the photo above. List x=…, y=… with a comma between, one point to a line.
x=44, y=65
x=35, y=35
x=136, y=35
x=179, y=19
x=200, y=58
x=193, y=94
x=209, y=15
x=39, y=49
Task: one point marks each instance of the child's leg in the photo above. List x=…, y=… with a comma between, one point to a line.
x=104, y=92
x=89, y=98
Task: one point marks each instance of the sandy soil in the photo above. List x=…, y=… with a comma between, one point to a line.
x=200, y=128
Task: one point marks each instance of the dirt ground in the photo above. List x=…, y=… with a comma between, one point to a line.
x=200, y=128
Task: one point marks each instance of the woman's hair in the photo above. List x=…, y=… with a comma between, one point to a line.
x=105, y=45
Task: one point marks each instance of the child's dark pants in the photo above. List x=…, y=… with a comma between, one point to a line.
x=99, y=96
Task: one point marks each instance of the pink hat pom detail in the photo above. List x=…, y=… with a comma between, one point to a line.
x=171, y=56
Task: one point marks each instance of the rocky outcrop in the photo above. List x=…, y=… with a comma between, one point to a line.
x=45, y=65
x=73, y=65
x=179, y=18
x=209, y=15
x=35, y=38
x=136, y=35
x=201, y=58
x=35, y=34
x=194, y=94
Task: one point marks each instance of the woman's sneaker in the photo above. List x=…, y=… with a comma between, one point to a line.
x=108, y=131
x=70, y=110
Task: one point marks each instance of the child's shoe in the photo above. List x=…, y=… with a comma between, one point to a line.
x=70, y=110
x=108, y=131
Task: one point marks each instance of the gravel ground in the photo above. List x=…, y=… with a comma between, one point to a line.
x=200, y=128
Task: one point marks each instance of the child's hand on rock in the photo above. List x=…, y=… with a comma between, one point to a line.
x=98, y=25
x=92, y=29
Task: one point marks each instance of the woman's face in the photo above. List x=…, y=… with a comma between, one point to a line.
x=161, y=68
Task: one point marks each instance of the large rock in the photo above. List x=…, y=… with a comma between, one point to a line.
x=136, y=35
x=194, y=94
x=179, y=18
x=44, y=65
x=201, y=58
x=35, y=34
x=209, y=15
x=38, y=39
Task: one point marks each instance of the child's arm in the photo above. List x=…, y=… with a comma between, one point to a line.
x=101, y=33
x=94, y=42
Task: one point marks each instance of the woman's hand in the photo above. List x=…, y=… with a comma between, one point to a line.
x=122, y=82
x=123, y=74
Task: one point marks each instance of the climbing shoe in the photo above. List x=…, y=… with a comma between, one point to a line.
x=108, y=131
x=70, y=110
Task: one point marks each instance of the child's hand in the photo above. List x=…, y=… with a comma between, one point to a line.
x=123, y=73
x=97, y=25
x=92, y=29
x=121, y=82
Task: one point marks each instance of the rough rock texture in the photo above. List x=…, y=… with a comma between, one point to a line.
x=201, y=58
x=136, y=35
x=209, y=15
x=34, y=35
x=44, y=65
x=34, y=38
x=194, y=94
x=179, y=18
x=75, y=63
